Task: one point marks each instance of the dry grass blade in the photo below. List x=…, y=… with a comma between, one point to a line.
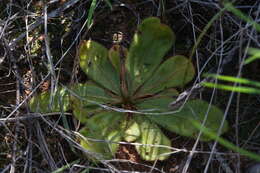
x=40, y=20
x=44, y=147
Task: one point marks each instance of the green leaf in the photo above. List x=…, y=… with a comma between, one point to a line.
x=131, y=130
x=193, y=111
x=114, y=56
x=175, y=71
x=104, y=145
x=95, y=63
x=159, y=102
x=151, y=137
x=82, y=111
x=106, y=122
x=170, y=92
x=91, y=91
x=150, y=44
x=104, y=126
x=47, y=102
x=85, y=100
x=115, y=53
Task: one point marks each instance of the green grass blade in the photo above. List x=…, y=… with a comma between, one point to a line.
x=226, y=143
x=240, y=89
x=234, y=79
x=91, y=12
x=255, y=55
x=253, y=51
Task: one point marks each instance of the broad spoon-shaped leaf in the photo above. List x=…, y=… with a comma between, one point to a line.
x=155, y=144
x=104, y=126
x=86, y=100
x=150, y=43
x=194, y=110
x=95, y=63
x=175, y=71
x=45, y=102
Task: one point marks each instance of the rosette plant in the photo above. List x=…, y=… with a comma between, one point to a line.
x=126, y=93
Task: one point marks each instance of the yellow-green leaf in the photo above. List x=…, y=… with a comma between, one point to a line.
x=104, y=145
x=86, y=98
x=131, y=130
x=115, y=54
x=155, y=144
x=47, y=102
x=95, y=63
x=104, y=127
